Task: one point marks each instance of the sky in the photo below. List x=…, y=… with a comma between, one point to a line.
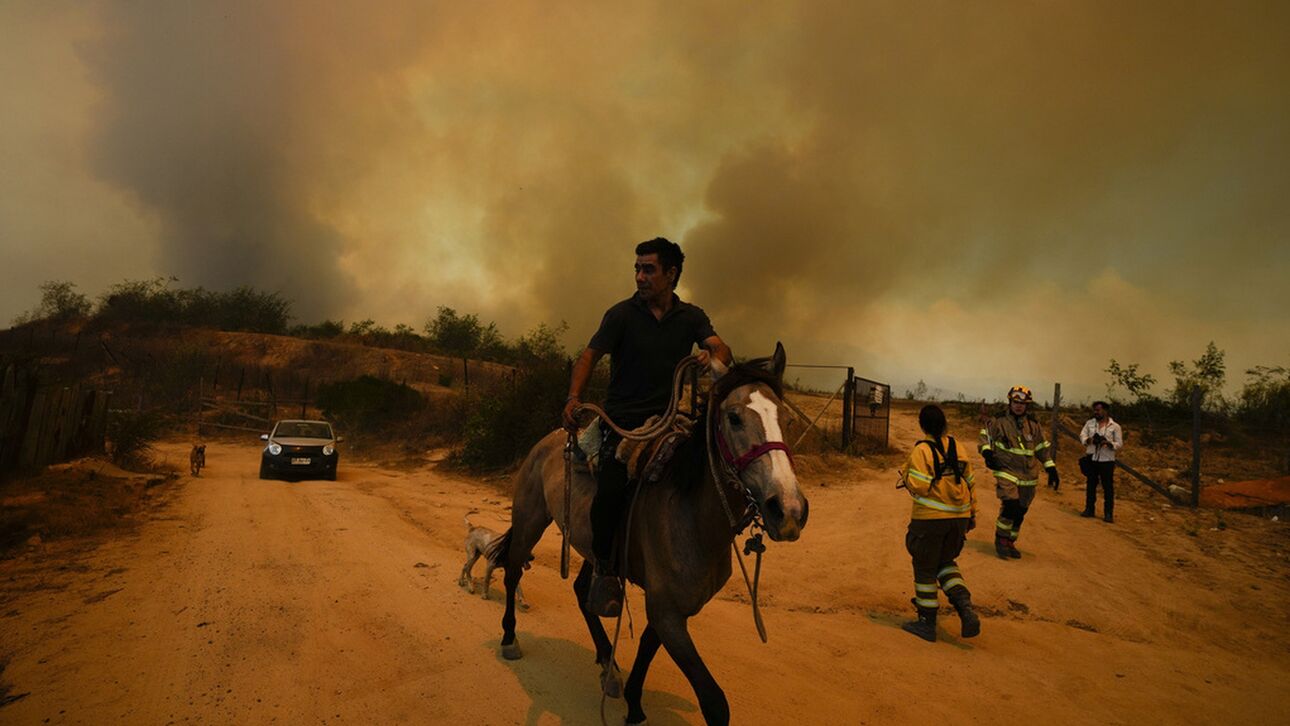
x=970, y=194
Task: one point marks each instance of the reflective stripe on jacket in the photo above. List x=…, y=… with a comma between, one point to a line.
x=1019, y=448
x=938, y=498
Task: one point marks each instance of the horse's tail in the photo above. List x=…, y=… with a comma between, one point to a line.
x=499, y=550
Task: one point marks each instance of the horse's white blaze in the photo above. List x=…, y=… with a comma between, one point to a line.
x=780, y=468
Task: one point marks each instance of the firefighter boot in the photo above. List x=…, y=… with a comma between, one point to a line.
x=924, y=627
x=961, y=599
x=1002, y=547
x=1013, y=552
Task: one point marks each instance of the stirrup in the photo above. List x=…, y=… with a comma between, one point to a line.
x=605, y=596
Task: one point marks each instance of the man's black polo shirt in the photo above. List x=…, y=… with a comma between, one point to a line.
x=643, y=353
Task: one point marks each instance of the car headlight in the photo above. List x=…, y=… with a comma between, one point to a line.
x=275, y=448
x=328, y=450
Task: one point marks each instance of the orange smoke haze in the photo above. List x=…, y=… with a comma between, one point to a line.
x=970, y=194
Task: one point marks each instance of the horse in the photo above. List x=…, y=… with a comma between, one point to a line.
x=680, y=530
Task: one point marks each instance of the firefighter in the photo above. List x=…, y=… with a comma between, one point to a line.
x=944, y=512
x=1013, y=445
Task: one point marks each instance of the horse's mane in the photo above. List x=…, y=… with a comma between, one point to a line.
x=688, y=467
x=757, y=370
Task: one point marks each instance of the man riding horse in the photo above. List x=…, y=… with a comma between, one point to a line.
x=645, y=336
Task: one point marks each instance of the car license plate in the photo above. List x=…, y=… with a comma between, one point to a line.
x=300, y=460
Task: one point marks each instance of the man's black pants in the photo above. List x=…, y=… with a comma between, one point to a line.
x=608, y=505
x=1104, y=473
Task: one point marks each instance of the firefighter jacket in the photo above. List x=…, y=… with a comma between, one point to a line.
x=1019, y=448
x=930, y=480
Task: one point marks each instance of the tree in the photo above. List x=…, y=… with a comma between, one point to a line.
x=541, y=344
x=59, y=301
x=1208, y=373
x=919, y=393
x=1128, y=378
x=456, y=334
x=1265, y=400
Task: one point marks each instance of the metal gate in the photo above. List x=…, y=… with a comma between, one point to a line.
x=855, y=414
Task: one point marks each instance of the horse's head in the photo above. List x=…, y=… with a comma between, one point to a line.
x=749, y=439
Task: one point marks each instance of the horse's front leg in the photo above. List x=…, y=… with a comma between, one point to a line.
x=675, y=636
x=636, y=681
x=610, y=682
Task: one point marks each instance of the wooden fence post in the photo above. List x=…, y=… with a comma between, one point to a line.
x=1057, y=406
x=1196, y=395
x=848, y=408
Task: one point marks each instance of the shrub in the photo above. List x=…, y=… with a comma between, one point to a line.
x=503, y=424
x=59, y=301
x=131, y=434
x=461, y=335
x=1208, y=373
x=368, y=402
x=1265, y=400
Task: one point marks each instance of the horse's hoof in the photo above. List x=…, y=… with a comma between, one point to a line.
x=512, y=651
x=641, y=722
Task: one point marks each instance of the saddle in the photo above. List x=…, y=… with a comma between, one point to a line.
x=645, y=460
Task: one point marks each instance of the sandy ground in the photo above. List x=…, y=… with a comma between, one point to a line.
x=241, y=601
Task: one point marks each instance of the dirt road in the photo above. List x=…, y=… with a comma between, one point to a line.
x=244, y=601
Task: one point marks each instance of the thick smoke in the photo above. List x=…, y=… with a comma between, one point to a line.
x=942, y=191
x=239, y=126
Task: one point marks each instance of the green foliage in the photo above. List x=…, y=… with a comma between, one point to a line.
x=59, y=301
x=155, y=301
x=1128, y=378
x=325, y=330
x=368, y=402
x=463, y=335
x=1207, y=372
x=504, y=424
x=131, y=434
x=1265, y=399
x=540, y=345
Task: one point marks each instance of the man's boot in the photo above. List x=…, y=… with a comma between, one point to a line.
x=1002, y=547
x=1110, y=518
x=924, y=627
x=1013, y=552
x=961, y=599
x=605, y=595
x=1088, y=512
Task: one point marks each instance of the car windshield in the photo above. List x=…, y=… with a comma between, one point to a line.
x=303, y=430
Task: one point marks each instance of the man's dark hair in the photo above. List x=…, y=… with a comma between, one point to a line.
x=669, y=255
x=1103, y=404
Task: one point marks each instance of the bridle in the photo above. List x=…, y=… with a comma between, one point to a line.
x=756, y=452
x=727, y=471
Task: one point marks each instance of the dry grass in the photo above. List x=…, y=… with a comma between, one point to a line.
x=76, y=499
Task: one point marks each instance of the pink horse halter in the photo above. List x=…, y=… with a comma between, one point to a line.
x=756, y=452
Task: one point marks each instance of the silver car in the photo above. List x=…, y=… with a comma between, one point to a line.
x=300, y=449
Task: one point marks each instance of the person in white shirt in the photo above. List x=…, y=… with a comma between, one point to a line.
x=1101, y=437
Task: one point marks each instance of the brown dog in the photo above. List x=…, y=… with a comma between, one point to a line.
x=197, y=459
